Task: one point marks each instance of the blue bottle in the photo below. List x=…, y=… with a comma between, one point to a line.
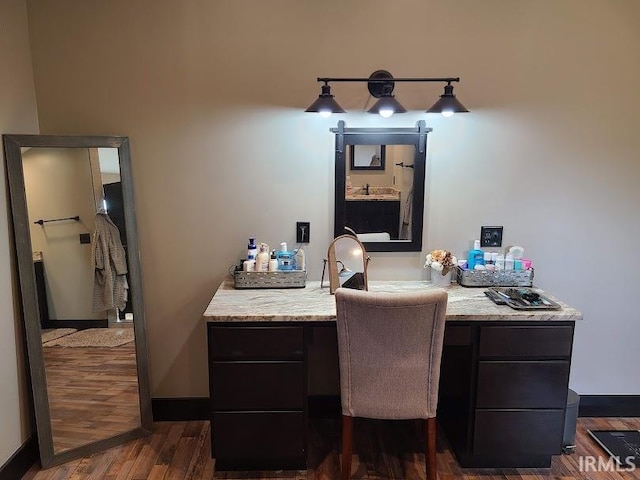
x=285, y=258
x=476, y=256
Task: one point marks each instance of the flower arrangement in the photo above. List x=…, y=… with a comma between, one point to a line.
x=441, y=260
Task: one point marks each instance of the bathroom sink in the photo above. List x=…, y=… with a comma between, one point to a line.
x=375, y=193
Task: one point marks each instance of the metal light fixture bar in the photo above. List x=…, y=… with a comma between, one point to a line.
x=392, y=79
x=381, y=85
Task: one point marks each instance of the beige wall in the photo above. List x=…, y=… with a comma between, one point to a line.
x=212, y=96
x=58, y=184
x=17, y=115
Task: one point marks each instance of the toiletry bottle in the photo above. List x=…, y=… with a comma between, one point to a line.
x=476, y=256
x=488, y=261
x=262, y=260
x=285, y=258
x=299, y=259
x=273, y=262
x=252, y=250
x=508, y=262
x=249, y=265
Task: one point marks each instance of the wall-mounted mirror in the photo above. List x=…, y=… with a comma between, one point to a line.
x=367, y=157
x=77, y=249
x=382, y=207
x=348, y=263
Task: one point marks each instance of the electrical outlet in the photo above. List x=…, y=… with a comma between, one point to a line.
x=302, y=232
x=490, y=236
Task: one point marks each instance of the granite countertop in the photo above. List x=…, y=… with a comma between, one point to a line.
x=313, y=304
x=373, y=198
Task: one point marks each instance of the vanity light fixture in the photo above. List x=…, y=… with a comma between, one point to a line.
x=325, y=104
x=381, y=84
x=448, y=104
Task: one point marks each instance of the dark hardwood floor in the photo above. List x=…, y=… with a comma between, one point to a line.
x=180, y=451
x=93, y=393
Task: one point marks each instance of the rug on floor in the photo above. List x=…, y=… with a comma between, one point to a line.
x=95, y=337
x=54, y=333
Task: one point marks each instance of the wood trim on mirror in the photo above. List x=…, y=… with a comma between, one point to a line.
x=30, y=309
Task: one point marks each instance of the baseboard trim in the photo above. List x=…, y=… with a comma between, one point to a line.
x=21, y=461
x=609, y=406
x=182, y=409
x=78, y=324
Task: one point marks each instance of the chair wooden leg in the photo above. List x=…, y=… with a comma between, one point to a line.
x=347, y=446
x=430, y=451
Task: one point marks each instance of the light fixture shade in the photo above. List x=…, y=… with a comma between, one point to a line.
x=447, y=103
x=325, y=103
x=387, y=103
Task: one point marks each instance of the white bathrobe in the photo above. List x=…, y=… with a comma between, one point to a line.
x=110, y=288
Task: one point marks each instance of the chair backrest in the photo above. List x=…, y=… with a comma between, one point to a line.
x=390, y=347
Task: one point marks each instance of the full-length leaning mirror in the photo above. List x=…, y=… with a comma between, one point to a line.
x=383, y=206
x=77, y=248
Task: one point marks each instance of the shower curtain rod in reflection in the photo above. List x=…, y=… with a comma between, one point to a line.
x=42, y=222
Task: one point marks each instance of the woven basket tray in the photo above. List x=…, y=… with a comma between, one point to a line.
x=279, y=279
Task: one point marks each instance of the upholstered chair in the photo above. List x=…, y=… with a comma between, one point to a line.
x=390, y=347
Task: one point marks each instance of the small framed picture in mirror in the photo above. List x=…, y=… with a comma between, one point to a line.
x=367, y=157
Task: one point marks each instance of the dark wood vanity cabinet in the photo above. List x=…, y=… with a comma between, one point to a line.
x=257, y=384
x=503, y=392
x=374, y=216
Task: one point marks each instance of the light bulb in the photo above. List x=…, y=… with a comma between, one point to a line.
x=447, y=113
x=386, y=112
x=325, y=113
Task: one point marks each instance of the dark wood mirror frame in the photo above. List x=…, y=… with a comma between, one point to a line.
x=352, y=159
x=30, y=308
x=383, y=136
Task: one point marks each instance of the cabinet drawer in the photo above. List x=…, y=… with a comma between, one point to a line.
x=257, y=385
x=518, y=432
x=254, y=343
x=259, y=441
x=522, y=384
x=534, y=341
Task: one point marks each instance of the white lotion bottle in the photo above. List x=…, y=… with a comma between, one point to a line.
x=262, y=260
x=273, y=262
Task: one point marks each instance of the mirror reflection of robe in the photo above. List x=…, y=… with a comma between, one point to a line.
x=109, y=261
x=405, y=230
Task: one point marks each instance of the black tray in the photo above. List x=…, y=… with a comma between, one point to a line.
x=522, y=298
